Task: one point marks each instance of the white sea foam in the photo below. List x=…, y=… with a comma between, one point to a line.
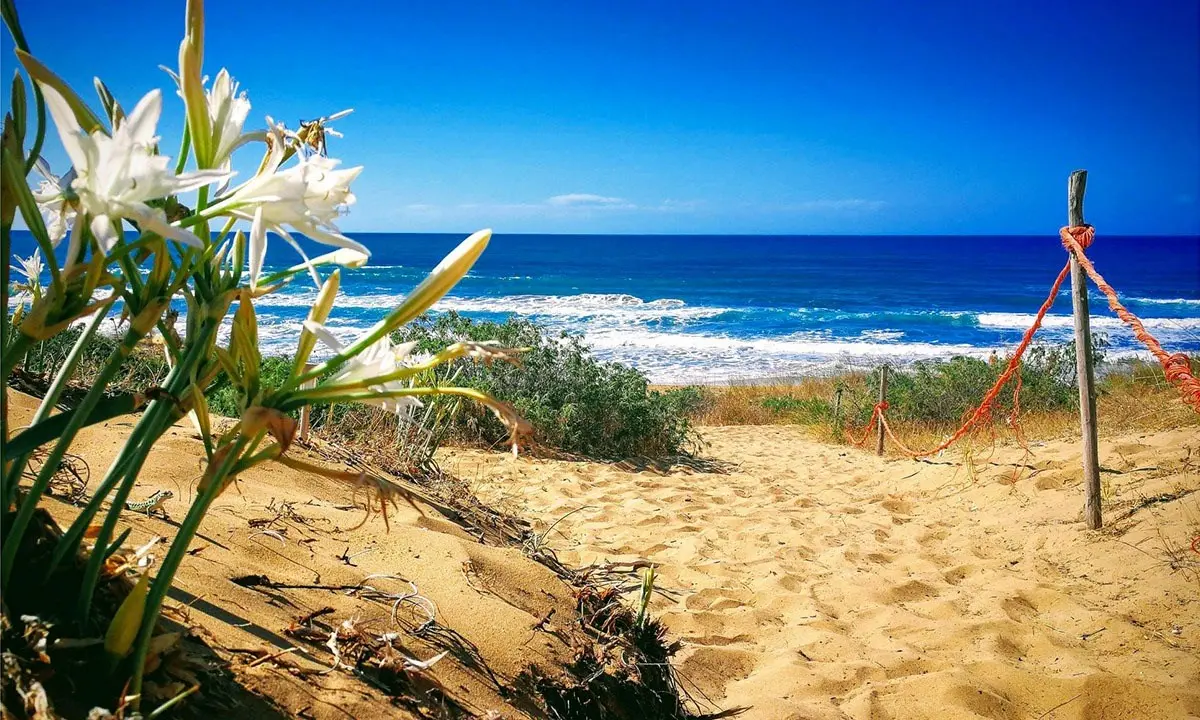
x=670, y=341
x=567, y=307
x=881, y=334
x=668, y=357
x=1166, y=301
x=1022, y=321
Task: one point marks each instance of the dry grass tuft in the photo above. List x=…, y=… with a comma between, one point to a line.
x=1137, y=400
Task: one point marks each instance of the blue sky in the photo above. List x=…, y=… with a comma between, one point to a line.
x=748, y=117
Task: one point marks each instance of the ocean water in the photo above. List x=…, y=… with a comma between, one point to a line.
x=716, y=308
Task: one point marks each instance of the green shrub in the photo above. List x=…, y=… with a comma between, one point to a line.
x=143, y=369
x=944, y=391
x=575, y=402
x=222, y=395
x=805, y=411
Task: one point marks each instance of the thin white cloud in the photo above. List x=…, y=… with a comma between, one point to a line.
x=588, y=200
x=679, y=205
x=842, y=205
x=566, y=207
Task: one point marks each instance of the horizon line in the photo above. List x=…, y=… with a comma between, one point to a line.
x=1195, y=235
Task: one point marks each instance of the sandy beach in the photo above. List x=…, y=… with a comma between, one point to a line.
x=812, y=581
x=803, y=580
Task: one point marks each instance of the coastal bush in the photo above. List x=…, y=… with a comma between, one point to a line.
x=804, y=411
x=144, y=368
x=945, y=391
x=934, y=395
x=575, y=402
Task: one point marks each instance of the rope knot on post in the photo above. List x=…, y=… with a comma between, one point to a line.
x=1082, y=235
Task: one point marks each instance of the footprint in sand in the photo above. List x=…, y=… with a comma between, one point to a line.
x=956, y=575
x=911, y=591
x=897, y=506
x=1018, y=608
x=715, y=600
x=712, y=669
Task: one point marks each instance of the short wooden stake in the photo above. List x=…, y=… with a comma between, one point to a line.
x=883, y=379
x=306, y=411
x=837, y=408
x=1083, y=359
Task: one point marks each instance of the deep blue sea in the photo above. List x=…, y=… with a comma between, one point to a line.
x=715, y=308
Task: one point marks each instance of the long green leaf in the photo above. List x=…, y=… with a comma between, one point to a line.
x=87, y=119
x=12, y=175
x=52, y=427
x=20, y=111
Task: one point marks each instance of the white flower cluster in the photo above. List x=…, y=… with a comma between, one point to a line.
x=116, y=175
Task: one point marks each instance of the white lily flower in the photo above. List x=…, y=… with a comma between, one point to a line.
x=228, y=110
x=307, y=197
x=116, y=175
x=31, y=268
x=377, y=360
x=51, y=196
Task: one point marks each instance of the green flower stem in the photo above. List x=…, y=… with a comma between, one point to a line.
x=39, y=135
x=12, y=540
x=224, y=232
x=8, y=9
x=170, y=564
x=12, y=167
x=154, y=423
x=5, y=249
x=147, y=427
x=132, y=276
x=13, y=474
x=52, y=427
x=185, y=146
x=68, y=368
x=305, y=397
x=18, y=344
x=201, y=204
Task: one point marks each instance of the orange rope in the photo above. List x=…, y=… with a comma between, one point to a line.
x=989, y=399
x=1177, y=367
x=876, y=415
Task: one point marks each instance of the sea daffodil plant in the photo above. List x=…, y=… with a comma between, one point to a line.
x=139, y=229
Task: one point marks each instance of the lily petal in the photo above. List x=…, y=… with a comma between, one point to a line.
x=258, y=246
x=141, y=123
x=104, y=232
x=324, y=335
x=68, y=126
x=155, y=222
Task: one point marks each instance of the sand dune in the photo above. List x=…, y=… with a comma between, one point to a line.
x=488, y=600
x=811, y=581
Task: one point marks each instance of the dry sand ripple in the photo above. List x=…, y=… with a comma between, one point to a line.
x=811, y=581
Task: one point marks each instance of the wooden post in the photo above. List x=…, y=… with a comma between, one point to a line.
x=883, y=378
x=1083, y=359
x=837, y=408
x=306, y=411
